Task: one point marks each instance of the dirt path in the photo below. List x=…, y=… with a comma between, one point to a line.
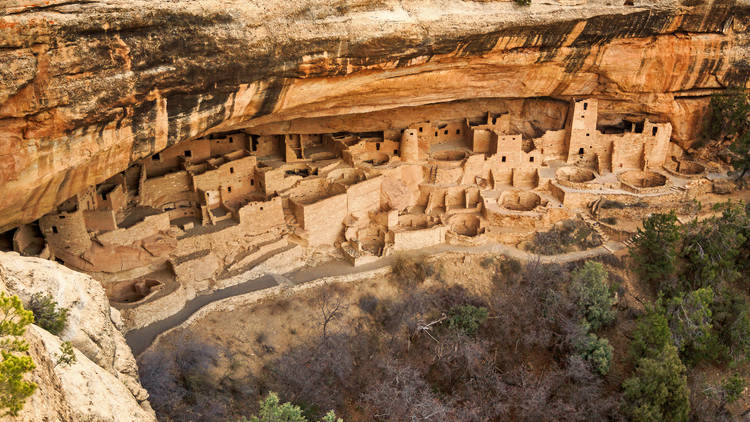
x=140, y=339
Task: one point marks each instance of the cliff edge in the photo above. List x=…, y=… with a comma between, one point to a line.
x=103, y=384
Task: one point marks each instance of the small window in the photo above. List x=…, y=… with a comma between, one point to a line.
x=654, y=130
x=585, y=106
x=503, y=159
x=155, y=157
x=580, y=151
x=62, y=217
x=252, y=182
x=458, y=131
x=435, y=133
x=229, y=189
x=231, y=170
x=261, y=208
x=446, y=131
x=531, y=159
x=188, y=153
x=54, y=229
x=395, y=152
x=104, y=196
x=582, y=116
x=588, y=134
x=420, y=129
x=377, y=147
x=231, y=140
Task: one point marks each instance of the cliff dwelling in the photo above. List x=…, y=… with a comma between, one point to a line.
x=213, y=207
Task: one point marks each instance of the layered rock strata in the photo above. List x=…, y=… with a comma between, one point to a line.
x=90, y=87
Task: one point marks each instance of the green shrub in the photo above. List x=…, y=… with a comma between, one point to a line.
x=658, y=390
x=690, y=322
x=272, y=410
x=651, y=334
x=654, y=251
x=14, y=390
x=733, y=387
x=47, y=314
x=597, y=351
x=731, y=320
x=67, y=355
x=728, y=117
x=593, y=296
x=467, y=318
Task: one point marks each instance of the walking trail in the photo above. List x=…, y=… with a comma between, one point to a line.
x=140, y=339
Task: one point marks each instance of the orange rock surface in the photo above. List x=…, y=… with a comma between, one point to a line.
x=88, y=88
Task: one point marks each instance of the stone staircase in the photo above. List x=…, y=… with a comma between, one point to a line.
x=595, y=225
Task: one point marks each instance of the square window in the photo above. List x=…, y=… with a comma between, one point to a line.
x=395, y=151
x=531, y=159
x=503, y=159
x=588, y=134
x=458, y=131
x=188, y=153
x=155, y=157
x=580, y=151
x=54, y=229
x=446, y=131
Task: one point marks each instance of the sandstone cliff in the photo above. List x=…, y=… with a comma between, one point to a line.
x=88, y=87
x=103, y=384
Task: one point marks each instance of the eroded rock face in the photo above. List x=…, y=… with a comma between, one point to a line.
x=87, y=88
x=103, y=385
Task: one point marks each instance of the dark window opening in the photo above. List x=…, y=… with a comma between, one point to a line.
x=54, y=229
x=420, y=129
x=446, y=131
x=458, y=131
x=580, y=151
x=503, y=159
x=531, y=159
x=395, y=151
x=104, y=196
x=254, y=145
x=435, y=133
x=231, y=169
x=155, y=157
x=252, y=182
x=585, y=106
x=188, y=153
x=377, y=147
x=588, y=134
x=261, y=208
x=231, y=140
x=62, y=217
x=654, y=130
x=229, y=189
x=60, y=261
